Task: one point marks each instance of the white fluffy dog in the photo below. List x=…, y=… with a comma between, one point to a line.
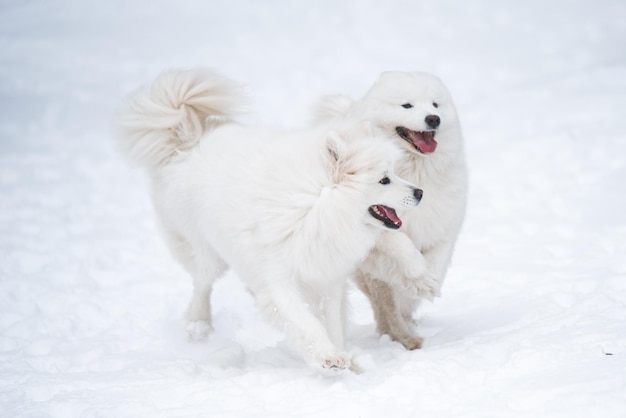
x=415, y=111
x=292, y=213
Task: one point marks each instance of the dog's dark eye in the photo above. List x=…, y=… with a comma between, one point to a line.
x=435, y=104
x=407, y=105
x=385, y=180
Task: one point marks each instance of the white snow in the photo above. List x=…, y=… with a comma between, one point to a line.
x=532, y=321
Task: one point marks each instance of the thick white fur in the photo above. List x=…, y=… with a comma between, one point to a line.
x=434, y=226
x=287, y=210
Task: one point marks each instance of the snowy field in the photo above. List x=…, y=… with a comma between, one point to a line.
x=532, y=321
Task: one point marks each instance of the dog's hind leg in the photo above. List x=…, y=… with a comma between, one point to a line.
x=208, y=267
x=387, y=313
x=204, y=266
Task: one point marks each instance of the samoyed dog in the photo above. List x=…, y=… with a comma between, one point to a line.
x=416, y=113
x=293, y=213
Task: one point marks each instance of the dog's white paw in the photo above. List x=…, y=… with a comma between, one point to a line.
x=425, y=286
x=198, y=330
x=336, y=363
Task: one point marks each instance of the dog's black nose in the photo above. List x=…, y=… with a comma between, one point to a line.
x=433, y=121
x=418, y=193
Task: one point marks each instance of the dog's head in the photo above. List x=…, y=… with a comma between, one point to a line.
x=362, y=168
x=413, y=107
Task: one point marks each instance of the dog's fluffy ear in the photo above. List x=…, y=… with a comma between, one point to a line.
x=338, y=156
x=387, y=74
x=335, y=145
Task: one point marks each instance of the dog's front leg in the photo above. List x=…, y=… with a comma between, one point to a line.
x=284, y=305
x=401, y=263
x=333, y=311
x=438, y=259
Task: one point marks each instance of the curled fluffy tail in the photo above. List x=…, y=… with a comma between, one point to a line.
x=171, y=115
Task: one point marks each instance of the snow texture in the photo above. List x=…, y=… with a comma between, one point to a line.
x=532, y=321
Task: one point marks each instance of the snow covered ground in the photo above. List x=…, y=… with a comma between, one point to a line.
x=532, y=321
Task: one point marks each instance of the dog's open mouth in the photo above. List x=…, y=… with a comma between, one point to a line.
x=387, y=215
x=423, y=141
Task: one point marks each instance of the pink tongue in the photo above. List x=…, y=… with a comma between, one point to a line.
x=425, y=141
x=391, y=214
